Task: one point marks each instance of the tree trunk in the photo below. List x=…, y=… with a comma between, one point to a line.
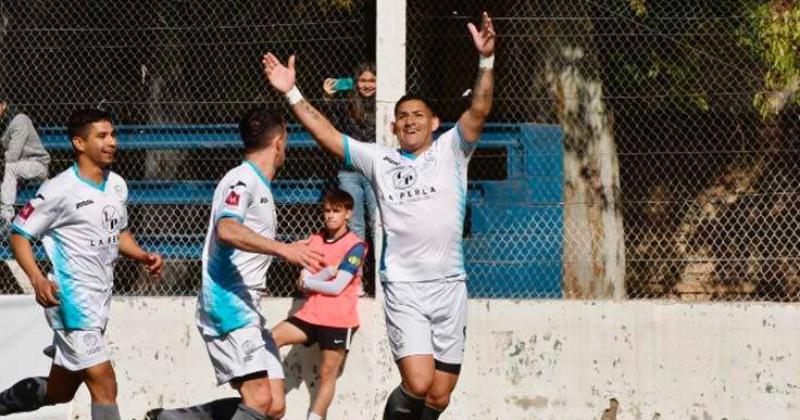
x=594, y=248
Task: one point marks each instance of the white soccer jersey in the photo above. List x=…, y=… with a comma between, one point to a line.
x=79, y=222
x=422, y=201
x=233, y=279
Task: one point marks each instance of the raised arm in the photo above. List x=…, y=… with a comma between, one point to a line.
x=471, y=122
x=283, y=79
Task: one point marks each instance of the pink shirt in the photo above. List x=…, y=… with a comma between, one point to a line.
x=339, y=311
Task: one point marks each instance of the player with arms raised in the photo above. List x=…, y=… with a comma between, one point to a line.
x=422, y=190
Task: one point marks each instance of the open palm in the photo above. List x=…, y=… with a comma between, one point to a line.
x=485, y=38
x=280, y=77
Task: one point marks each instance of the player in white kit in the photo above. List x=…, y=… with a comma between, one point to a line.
x=421, y=190
x=81, y=219
x=239, y=247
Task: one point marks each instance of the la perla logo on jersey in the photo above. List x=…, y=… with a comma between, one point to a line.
x=405, y=186
x=110, y=218
x=404, y=177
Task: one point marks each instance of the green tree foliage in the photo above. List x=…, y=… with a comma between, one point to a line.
x=772, y=35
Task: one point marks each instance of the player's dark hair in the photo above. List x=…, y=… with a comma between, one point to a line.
x=258, y=126
x=414, y=97
x=336, y=197
x=80, y=120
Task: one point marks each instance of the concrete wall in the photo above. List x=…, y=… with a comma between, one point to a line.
x=525, y=360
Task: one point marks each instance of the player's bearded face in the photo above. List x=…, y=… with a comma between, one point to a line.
x=100, y=144
x=414, y=125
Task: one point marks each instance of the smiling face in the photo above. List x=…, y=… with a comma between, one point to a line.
x=414, y=125
x=97, y=143
x=366, y=84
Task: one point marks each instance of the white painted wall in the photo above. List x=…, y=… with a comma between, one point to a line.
x=525, y=360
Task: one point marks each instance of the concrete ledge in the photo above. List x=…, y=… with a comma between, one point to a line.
x=524, y=360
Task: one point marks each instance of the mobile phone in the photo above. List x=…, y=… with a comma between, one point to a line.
x=343, y=84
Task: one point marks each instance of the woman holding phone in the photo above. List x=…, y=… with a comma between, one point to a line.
x=357, y=120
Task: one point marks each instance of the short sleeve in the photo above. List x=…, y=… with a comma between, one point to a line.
x=458, y=145
x=354, y=259
x=38, y=215
x=360, y=156
x=234, y=201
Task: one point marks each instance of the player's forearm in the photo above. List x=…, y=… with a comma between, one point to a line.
x=236, y=235
x=320, y=127
x=130, y=248
x=483, y=95
x=23, y=253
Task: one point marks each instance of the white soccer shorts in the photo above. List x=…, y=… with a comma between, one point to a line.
x=243, y=352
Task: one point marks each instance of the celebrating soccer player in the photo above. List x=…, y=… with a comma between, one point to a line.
x=422, y=189
x=239, y=247
x=81, y=218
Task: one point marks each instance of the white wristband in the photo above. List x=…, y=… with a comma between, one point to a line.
x=294, y=96
x=486, y=63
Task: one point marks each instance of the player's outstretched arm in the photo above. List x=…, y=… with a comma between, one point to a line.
x=131, y=249
x=234, y=234
x=471, y=122
x=46, y=290
x=283, y=79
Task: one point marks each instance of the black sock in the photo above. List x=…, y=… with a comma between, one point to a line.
x=246, y=413
x=105, y=412
x=26, y=395
x=430, y=413
x=222, y=409
x=401, y=405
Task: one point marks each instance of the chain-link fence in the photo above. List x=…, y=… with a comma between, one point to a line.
x=680, y=127
x=178, y=75
x=639, y=148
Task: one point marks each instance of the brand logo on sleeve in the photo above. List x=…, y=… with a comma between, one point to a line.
x=26, y=211
x=232, y=199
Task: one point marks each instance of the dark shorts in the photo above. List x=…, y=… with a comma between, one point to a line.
x=329, y=338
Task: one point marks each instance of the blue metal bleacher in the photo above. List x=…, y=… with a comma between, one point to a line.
x=514, y=240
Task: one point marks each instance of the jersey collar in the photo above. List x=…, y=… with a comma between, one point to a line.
x=258, y=172
x=98, y=186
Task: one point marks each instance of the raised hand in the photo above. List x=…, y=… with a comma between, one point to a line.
x=329, y=86
x=279, y=76
x=483, y=39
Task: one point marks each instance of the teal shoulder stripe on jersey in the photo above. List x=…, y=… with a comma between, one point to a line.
x=20, y=231
x=99, y=186
x=258, y=172
x=465, y=146
x=225, y=214
x=72, y=317
x=348, y=159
